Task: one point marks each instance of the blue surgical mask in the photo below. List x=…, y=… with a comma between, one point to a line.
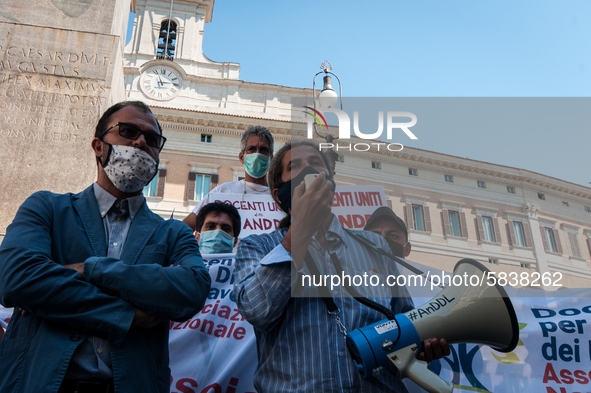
x=256, y=164
x=215, y=242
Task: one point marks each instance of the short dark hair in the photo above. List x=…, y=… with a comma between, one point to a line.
x=276, y=170
x=101, y=126
x=217, y=208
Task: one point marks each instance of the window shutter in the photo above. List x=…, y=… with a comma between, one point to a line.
x=214, y=180
x=557, y=241
x=544, y=241
x=446, y=224
x=161, y=181
x=574, y=244
x=427, y=218
x=526, y=230
x=512, y=240
x=579, y=251
x=495, y=222
x=463, y=225
x=589, y=244
x=191, y=186
x=479, y=227
x=409, y=220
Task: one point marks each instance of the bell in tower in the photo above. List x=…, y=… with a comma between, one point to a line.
x=167, y=40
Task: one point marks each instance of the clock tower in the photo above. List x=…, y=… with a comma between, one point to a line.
x=202, y=105
x=164, y=60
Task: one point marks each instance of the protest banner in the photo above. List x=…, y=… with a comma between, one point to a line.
x=553, y=354
x=215, y=351
x=258, y=213
x=353, y=205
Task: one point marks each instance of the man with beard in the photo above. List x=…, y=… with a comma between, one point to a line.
x=94, y=277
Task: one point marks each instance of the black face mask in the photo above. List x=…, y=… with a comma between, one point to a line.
x=286, y=190
x=397, y=249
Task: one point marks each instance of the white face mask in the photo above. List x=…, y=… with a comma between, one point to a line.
x=130, y=169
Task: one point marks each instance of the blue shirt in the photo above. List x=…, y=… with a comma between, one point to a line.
x=300, y=347
x=92, y=359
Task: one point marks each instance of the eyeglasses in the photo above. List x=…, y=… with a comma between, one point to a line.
x=132, y=132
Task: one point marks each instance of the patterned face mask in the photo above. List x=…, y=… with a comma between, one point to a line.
x=130, y=169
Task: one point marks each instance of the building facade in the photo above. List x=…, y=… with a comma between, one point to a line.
x=512, y=219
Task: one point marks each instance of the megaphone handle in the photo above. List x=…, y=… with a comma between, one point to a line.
x=410, y=367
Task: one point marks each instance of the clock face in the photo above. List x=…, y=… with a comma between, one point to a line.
x=161, y=83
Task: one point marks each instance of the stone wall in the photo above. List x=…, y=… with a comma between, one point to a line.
x=60, y=67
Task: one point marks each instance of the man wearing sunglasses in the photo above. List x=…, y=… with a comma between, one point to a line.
x=95, y=277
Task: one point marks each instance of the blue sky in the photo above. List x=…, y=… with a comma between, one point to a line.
x=432, y=49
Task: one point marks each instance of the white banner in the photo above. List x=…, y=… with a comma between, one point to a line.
x=553, y=354
x=258, y=213
x=353, y=205
x=215, y=351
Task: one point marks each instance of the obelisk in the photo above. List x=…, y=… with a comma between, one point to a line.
x=60, y=67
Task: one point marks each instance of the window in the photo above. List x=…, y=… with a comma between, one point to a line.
x=341, y=159
x=519, y=234
x=481, y=184
x=487, y=225
x=206, y=138
x=588, y=209
x=511, y=190
x=202, y=183
x=525, y=266
x=167, y=40
x=454, y=223
x=376, y=165
x=454, y=220
x=519, y=231
x=202, y=178
x=564, y=203
x=151, y=188
x=449, y=178
x=413, y=172
x=493, y=261
x=550, y=239
x=541, y=196
x=417, y=216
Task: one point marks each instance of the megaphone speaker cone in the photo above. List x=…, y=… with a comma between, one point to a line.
x=472, y=309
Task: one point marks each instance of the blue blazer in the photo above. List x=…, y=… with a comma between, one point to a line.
x=51, y=230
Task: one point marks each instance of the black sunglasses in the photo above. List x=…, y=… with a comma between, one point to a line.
x=131, y=131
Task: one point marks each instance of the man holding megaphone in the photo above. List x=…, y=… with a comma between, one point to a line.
x=300, y=324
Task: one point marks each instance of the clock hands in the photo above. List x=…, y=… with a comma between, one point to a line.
x=160, y=83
